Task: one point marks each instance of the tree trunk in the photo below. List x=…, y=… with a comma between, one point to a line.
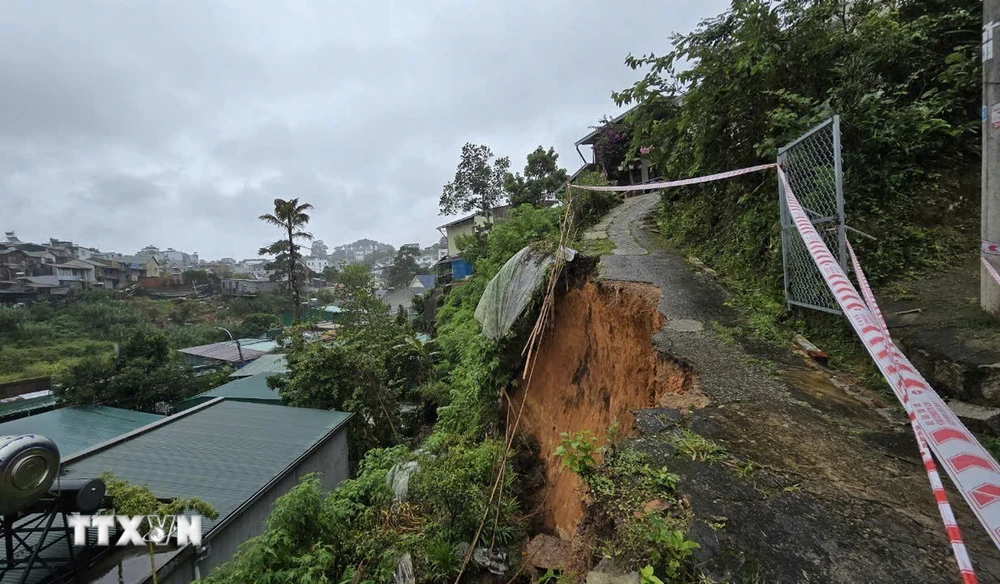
x=292, y=279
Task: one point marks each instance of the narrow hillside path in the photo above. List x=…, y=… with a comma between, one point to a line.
x=836, y=492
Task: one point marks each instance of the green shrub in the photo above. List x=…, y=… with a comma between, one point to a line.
x=589, y=207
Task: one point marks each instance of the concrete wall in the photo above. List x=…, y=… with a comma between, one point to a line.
x=454, y=233
x=330, y=459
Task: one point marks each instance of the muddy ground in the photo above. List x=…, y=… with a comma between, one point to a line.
x=836, y=492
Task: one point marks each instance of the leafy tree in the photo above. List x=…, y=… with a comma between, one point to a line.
x=132, y=500
x=138, y=378
x=291, y=216
x=256, y=324
x=195, y=276
x=145, y=345
x=370, y=369
x=318, y=536
x=11, y=320
x=401, y=317
x=330, y=273
x=612, y=146
x=904, y=76
x=478, y=183
x=358, y=299
x=542, y=179
x=404, y=267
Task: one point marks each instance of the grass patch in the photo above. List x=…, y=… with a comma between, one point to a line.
x=698, y=448
x=596, y=247
x=765, y=318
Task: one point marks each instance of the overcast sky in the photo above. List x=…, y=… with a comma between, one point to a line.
x=177, y=122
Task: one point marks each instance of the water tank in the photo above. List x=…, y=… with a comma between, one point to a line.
x=28, y=466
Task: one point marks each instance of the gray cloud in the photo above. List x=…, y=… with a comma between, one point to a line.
x=177, y=123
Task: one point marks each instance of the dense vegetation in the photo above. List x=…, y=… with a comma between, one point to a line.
x=74, y=340
x=905, y=77
x=458, y=382
x=143, y=374
x=47, y=338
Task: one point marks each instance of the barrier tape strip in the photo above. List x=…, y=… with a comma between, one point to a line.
x=990, y=248
x=677, y=183
x=971, y=468
x=989, y=268
x=899, y=388
x=975, y=473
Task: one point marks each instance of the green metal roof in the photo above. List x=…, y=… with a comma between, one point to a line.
x=271, y=364
x=223, y=452
x=75, y=429
x=14, y=408
x=253, y=388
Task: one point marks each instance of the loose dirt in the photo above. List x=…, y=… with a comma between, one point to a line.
x=594, y=368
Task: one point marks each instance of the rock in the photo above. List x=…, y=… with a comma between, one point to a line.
x=655, y=506
x=812, y=350
x=978, y=418
x=547, y=551
x=683, y=325
x=656, y=420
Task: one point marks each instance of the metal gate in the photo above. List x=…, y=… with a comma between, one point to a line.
x=813, y=166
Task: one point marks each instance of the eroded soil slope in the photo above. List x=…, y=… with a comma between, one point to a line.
x=594, y=368
x=819, y=481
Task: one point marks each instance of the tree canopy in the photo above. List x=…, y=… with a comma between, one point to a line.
x=903, y=75
x=291, y=216
x=478, y=183
x=541, y=180
x=404, y=267
x=142, y=375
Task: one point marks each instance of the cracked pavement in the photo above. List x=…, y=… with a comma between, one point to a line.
x=839, y=494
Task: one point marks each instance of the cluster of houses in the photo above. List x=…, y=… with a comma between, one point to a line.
x=61, y=268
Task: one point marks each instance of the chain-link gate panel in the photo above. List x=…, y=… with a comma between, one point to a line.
x=813, y=166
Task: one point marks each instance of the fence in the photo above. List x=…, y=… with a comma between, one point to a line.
x=813, y=166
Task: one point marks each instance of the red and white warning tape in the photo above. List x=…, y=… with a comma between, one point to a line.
x=990, y=248
x=969, y=465
x=973, y=470
x=989, y=268
x=677, y=183
x=899, y=388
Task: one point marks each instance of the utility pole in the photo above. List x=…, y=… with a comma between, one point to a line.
x=989, y=290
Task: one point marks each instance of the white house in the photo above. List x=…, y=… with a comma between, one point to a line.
x=317, y=264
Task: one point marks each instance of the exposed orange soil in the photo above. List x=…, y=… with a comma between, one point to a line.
x=594, y=368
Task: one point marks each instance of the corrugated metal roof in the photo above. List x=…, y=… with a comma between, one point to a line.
x=225, y=351
x=223, y=452
x=264, y=345
x=16, y=407
x=253, y=388
x=273, y=364
x=75, y=429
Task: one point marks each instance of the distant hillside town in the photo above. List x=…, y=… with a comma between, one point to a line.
x=61, y=269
